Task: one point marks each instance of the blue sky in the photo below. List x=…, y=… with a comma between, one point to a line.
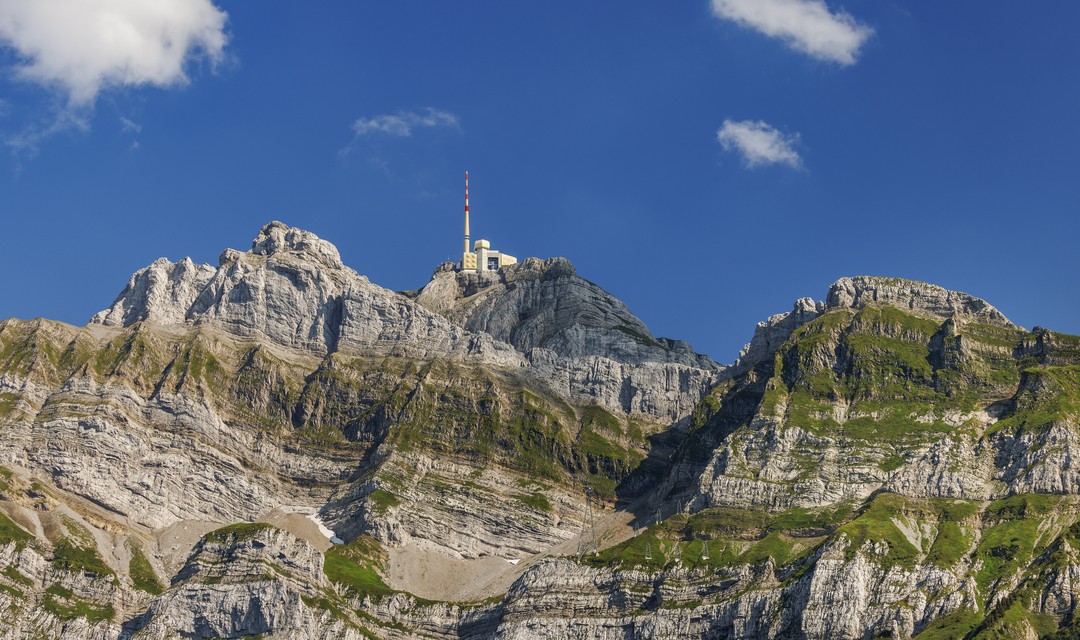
x=708, y=162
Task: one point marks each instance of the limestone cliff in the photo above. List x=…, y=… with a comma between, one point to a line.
x=515, y=455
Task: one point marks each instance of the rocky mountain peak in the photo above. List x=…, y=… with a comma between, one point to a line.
x=860, y=291
x=277, y=237
x=291, y=289
x=770, y=334
x=544, y=304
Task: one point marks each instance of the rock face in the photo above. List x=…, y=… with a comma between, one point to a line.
x=772, y=333
x=862, y=291
x=291, y=289
x=545, y=304
x=244, y=581
x=518, y=450
x=882, y=358
x=163, y=292
x=578, y=338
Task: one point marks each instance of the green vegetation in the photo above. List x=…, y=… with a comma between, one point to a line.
x=710, y=405
x=1011, y=538
x=383, y=500
x=237, y=532
x=880, y=521
x=15, y=593
x=11, y=532
x=1048, y=394
x=594, y=445
x=31, y=349
x=484, y=418
x=727, y=521
x=356, y=566
x=12, y=573
x=876, y=523
x=878, y=358
x=799, y=519
x=775, y=545
x=70, y=555
x=197, y=365
x=64, y=604
x=535, y=500
x=600, y=419
x=1012, y=620
x=487, y=418
x=950, y=546
x=7, y=403
x=734, y=536
x=951, y=627
x=6, y=478
x=891, y=463
x=137, y=355
x=142, y=573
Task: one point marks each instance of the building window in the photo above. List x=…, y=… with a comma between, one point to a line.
x=493, y=264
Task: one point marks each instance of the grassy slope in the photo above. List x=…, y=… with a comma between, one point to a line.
x=889, y=370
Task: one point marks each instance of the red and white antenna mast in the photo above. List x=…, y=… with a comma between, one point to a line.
x=466, y=212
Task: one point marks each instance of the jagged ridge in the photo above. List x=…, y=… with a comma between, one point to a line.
x=854, y=474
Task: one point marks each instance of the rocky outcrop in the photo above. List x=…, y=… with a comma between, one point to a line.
x=245, y=580
x=292, y=289
x=773, y=332
x=891, y=384
x=162, y=292
x=841, y=596
x=860, y=291
x=169, y=458
x=441, y=505
x=578, y=338
x=545, y=304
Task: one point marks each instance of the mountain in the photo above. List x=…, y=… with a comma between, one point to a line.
x=276, y=447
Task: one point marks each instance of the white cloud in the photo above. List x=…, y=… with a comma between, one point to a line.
x=402, y=123
x=805, y=25
x=759, y=143
x=84, y=46
x=127, y=125
x=28, y=141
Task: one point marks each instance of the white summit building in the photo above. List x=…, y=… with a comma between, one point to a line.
x=481, y=257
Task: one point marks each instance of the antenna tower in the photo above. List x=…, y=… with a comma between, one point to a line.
x=467, y=248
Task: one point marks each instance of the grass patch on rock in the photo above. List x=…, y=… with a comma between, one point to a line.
x=11, y=532
x=355, y=565
x=142, y=573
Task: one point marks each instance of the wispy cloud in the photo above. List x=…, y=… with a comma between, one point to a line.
x=805, y=25
x=403, y=122
x=27, y=142
x=127, y=125
x=82, y=47
x=759, y=143
x=400, y=124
